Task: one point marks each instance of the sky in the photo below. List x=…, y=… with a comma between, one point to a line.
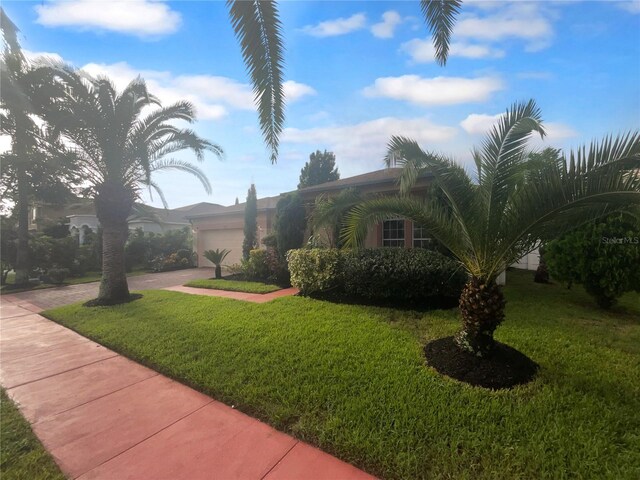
x=356, y=74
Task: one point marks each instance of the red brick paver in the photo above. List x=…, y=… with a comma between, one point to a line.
x=247, y=297
x=102, y=416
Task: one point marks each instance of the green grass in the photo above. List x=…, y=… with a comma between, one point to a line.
x=353, y=380
x=233, y=285
x=22, y=457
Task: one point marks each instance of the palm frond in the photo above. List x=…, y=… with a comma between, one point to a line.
x=431, y=216
x=258, y=30
x=183, y=166
x=440, y=16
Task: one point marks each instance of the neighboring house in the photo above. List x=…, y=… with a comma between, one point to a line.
x=81, y=217
x=221, y=227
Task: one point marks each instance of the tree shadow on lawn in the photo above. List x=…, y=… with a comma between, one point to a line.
x=425, y=305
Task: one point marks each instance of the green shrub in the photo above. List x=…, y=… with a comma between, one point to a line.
x=603, y=255
x=384, y=274
x=256, y=267
x=290, y=223
x=57, y=275
x=316, y=270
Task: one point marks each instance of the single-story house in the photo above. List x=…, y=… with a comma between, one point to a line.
x=223, y=227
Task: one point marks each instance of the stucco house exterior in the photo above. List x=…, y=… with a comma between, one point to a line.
x=219, y=227
x=223, y=227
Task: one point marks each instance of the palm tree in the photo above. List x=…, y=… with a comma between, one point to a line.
x=118, y=149
x=24, y=87
x=217, y=257
x=490, y=223
x=259, y=31
x=329, y=213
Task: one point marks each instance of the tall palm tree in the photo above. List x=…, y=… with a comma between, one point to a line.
x=490, y=223
x=120, y=140
x=25, y=86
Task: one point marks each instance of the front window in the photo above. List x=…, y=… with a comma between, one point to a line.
x=393, y=233
x=420, y=237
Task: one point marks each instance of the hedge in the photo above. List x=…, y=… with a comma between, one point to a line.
x=383, y=274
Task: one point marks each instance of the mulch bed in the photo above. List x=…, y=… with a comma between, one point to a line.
x=105, y=303
x=506, y=368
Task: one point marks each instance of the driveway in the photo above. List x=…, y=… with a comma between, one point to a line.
x=58, y=296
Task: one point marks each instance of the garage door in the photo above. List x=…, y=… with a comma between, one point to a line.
x=231, y=239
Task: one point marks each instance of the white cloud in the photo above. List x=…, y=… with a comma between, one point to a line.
x=422, y=51
x=479, y=123
x=135, y=17
x=31, y=56
x=434, y=91
x=339, y=26
x=360, y=147
x=294, y=90
x=386, y=28
x=530, y=22
x=630, y=6
x=213, y=96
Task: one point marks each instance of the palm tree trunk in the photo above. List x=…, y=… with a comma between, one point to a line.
x=482, y=308
x=218, y=271
x=113, y=206
x=113, y=285
x=22, y=251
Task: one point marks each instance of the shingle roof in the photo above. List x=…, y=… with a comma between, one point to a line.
x=266, y=203
x=387, y=175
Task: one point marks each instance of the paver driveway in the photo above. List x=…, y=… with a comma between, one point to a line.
x=58, y=296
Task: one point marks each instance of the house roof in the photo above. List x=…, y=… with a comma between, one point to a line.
x=267, y=203
x=387, y=175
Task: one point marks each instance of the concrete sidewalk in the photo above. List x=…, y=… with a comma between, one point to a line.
x=103, y=416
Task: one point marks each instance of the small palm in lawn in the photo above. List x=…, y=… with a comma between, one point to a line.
x=119, y=147
x=513, y=206
x=217, y=257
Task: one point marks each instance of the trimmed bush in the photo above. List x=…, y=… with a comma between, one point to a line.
x=378, y=275
x=316, y=270
x=603, y=255
x=58, y=275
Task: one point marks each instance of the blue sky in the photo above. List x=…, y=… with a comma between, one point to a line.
x=357, y=73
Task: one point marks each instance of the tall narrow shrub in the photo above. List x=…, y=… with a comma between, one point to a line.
x=250, y=223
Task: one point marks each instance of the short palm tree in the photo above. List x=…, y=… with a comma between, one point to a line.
x=489, y=223
x=118, y=148
x=217, y=257
x=329, y=213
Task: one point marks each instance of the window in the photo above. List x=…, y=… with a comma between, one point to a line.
x=420, y=237
x=393, y=233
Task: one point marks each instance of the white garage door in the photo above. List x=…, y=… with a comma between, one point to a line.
x=231, y=239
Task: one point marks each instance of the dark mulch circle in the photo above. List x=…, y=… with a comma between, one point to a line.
x=105, y=303
x=506, y=368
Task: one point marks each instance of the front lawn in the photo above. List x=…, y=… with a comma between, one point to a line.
x=233, y=285
x=22, y=456
x=352, y=379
